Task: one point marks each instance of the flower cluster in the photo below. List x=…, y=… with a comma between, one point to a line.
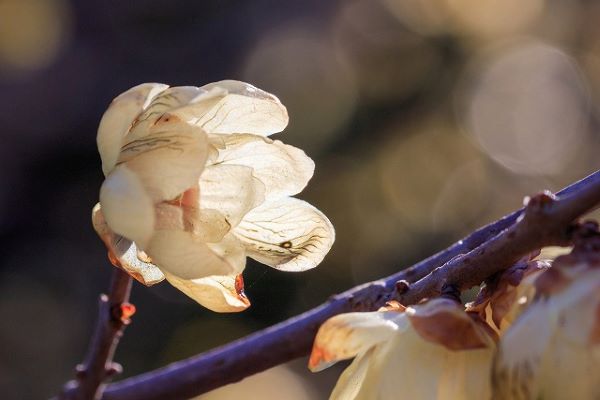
x=533, y=332
x=194, y=185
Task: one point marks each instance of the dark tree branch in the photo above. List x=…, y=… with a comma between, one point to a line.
x=544, y=222
x=113, y=316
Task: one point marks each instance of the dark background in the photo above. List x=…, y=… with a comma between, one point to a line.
x=426, y=119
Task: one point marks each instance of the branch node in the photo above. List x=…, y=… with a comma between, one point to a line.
x=402, y=286
x=540, y=203
x=114, y=368
x=122, y=313
x=451, y=292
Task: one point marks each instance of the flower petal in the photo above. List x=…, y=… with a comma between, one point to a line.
x=185, y=255
x=444, y=322
x=167, y=102
x=126, y=206
x=285, y=170
x=169, y=160
x=244, y=109
x=420, y=369
x=217, y=293
x=351, y=380
x=119, y=117
x=550, y=351
x=207, y=226
x=287, y=234
x=123, y=252
x=346, y=335
x=231, y=190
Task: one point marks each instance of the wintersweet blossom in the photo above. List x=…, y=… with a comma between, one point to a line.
x=194, y=185
x=552, y=351
x=433, y=350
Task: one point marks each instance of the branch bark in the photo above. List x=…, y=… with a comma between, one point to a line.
x=467, y=262
x=113, y=315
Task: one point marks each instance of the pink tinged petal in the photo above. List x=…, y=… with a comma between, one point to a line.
x=126, y=206
x=167, y=102
x=346, y=335
x=207, y=226
x=217, y=293
x=285, y=170
x=124, y=254
x=231, y=190
x=119, y=117
x=169, y=160
x=244, y=109
x=287, y=234
x=185, y=255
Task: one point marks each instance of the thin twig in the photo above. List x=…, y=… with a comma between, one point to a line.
x=113, y=315
x=293, y=338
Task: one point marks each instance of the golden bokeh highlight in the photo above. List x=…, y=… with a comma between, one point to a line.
x=32, y=32
x=528, y=108
x=298, y=63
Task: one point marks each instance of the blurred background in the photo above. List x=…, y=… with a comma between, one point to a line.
x=426, y=119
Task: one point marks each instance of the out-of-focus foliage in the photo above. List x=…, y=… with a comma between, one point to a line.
x=426, y=119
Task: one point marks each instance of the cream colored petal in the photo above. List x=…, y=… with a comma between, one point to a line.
x=285, y=170
x=519, y=355
x=351, y=380
x=244, y=109
x=169, y=160
x=419, y=369
x=231, y=190
x=346, y=335
x=166, y=102
x=186, y=256
x=126, y=206
x=119, y=117
x=287, y=234
x=123, y=252
x=208, y=226
x=552, y=351
x=217, y=293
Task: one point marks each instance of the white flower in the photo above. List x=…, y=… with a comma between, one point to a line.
x=552, y=351
x=194, y=185
x=430, y=351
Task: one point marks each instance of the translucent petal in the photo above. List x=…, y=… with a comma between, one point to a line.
x=287, y=234
x=119, y=117
x=552, y=350
x=169, y=160
x=346, y=335
x=231, y=190
x=244, y=109
x=124, y=253
x=217, y=293
x=207, y=226
x=285, y=170
x=351, y=380
x=127, y=207
x=186, y=256
x=420, y=369
x=161, y=107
